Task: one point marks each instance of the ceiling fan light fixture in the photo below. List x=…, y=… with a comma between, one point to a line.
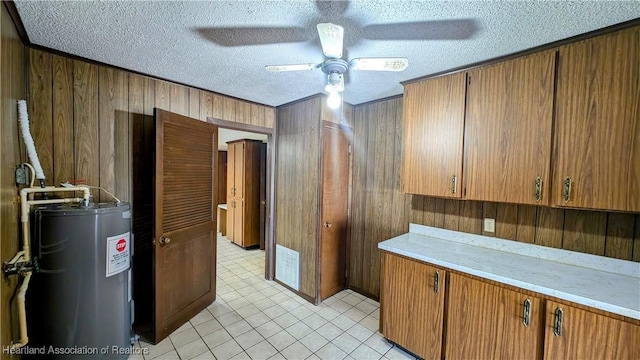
x=335, y=82
x=334, y=100
x=379, y=64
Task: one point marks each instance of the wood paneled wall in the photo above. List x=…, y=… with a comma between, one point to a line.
x=12, y=89
x=82, y=115
x=381, y=211
x=297, y=181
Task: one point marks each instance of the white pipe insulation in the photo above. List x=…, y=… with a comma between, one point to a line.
x=23, y=119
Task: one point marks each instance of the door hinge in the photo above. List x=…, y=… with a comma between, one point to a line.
x=349, y=149
x=468, y=79
x=349, y=211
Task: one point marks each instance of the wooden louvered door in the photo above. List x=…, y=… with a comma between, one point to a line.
x=185, y=236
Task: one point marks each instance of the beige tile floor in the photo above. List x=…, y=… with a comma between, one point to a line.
x=253, y=318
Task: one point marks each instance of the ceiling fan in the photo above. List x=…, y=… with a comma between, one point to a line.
x=331, y=39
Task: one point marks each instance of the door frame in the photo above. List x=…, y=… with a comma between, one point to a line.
x=269, y=262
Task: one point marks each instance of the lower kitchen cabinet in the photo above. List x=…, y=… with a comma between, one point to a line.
x=413, y=311
x=485, y=321
x=436, y=313
x=573, y=333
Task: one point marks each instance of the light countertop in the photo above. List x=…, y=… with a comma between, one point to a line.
x=603, y=283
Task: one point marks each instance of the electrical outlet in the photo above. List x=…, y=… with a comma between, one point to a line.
x=489, y=225
x=21, y=175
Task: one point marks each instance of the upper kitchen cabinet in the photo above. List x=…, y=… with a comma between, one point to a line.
x=508, y=130
x=597, y=130
x=433, y=126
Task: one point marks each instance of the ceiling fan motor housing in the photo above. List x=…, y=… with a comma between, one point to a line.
x=334, y=66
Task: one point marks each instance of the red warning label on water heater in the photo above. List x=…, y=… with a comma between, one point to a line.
x=118, y=255
x=121, y=245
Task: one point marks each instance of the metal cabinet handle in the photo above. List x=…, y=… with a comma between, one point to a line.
x=164, y=240
x=454, y=183
x=566, y=192
x=526, y=315
x=538, y=189
x=436, y=282
x=557, y=327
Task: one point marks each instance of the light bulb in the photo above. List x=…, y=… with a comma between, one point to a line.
x=334, y=100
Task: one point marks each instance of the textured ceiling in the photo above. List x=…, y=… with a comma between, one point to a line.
x=223, y=46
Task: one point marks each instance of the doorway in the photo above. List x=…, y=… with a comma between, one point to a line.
x=228, y=134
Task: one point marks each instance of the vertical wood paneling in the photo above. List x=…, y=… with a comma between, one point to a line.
x=179, y=99
x=414, y=207
x=13, y=68
x=451, y=214
x=359, y=200
x=194, y=103
x=585, y=231
x=549, y=227
x=257, y=114
x=113, y=132
x=471, y=217
x=228, y=108
x=297, y=152
x=63, y=146
x=85, y=122
x=269, y=117
x=619, y=243
x=206, y=105
x=162, y=95
x=40, y=108
x=526, y=228
x=506, y=221
x=243, y=112
x=218, y=107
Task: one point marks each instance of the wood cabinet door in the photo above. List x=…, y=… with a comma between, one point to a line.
x=239, y=167
x=432, y=130
x=485, y=321
x=597, y=128
x=508, y=130
x=585, y=335
x=231, y=174
x=238, y=221
x=412, y=305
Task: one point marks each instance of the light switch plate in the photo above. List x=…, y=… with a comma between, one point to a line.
x=489, y=225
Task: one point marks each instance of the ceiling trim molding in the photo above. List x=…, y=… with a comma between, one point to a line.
x=549, y=46
x=17, y=21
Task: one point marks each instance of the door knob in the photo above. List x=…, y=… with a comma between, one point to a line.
x=164, y=240
x=327, y=224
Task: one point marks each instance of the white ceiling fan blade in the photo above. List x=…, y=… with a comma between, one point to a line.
x=331, y=36
x=379, y=64
x=295, y=67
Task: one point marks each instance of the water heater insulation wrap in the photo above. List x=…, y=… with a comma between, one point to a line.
x=80, y=299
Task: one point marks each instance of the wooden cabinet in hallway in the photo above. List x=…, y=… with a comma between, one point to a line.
x=243, y=192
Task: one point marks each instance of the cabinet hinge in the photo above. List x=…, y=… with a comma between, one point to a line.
x=349, y=149
x=468, y=80
x=348, y=211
